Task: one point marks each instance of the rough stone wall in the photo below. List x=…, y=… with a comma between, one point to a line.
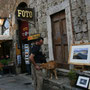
x=8, y=6
x=41, y=7
x=79, y=20
x=80, y=17
x=87, y=4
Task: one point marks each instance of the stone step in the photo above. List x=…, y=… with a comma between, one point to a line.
x=62, y=71
x=62, y=83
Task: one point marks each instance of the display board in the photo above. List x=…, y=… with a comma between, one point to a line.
x=26, y=48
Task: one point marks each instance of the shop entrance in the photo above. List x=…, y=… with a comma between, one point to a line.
x=22, y=46
x=59, y=35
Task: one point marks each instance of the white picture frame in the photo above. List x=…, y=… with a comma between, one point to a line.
x=79, y=54
x=82, y=81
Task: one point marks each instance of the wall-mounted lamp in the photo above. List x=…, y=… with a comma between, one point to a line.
x=1, y=21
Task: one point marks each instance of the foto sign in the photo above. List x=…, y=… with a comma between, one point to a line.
x=25, y=13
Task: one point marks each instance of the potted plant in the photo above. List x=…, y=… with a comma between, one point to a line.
x=5, y=62
x=72, y=75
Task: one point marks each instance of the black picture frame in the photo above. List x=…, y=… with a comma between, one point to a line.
x=83, y=82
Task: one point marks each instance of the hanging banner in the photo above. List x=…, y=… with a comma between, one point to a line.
x=24, y=29
x=25, y=13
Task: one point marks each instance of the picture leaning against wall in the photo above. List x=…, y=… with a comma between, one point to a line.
x=79, y=54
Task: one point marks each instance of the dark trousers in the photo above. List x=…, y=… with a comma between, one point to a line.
x=28, y=68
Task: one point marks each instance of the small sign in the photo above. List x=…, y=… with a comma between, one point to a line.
x=25, y=13
x=33, y=37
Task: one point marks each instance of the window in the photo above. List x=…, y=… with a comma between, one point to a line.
x=4, y=29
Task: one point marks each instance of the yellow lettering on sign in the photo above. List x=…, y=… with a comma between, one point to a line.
x=30, y=14
x=23, y=13
x=27, y=15
x=19, y=13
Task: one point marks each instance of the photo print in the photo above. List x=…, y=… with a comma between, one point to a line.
x=80, y=53
x=82, y=81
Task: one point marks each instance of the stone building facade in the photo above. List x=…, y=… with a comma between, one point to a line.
x=7, y=11
x=77, y=20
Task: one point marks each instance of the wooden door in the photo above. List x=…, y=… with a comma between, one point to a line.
x=59, y=35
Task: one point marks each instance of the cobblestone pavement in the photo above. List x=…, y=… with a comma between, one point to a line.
x=16, y=82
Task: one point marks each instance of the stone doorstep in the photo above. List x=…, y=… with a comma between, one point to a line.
x=65, y=72
x=62, y=83
x=62, y=71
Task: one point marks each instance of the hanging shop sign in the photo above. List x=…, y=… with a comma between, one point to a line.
x=33, y=37
x=25, y=13
x=24, y=30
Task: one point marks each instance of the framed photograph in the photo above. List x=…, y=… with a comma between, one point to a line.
x=79, y=54
x=82, y=81
x=26, y=56
x=27, y=50
x=26, y=46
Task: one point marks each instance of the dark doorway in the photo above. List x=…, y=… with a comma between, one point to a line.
x=22, y=34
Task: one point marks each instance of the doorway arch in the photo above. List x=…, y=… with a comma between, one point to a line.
x=20, y=40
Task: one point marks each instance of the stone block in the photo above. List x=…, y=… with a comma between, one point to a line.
x=74, y=13
x=78, y=36
x=85, y=36
x=88, y=16
x=72, y=1
x=89, y=35
x=43, y=34
x=45, y=41
x=75, y=21
x=50, y=1
x=77, y=29
x=88, y=9
x=88, y=24
x=87, y=2
x=74, y=5
x=84, y=27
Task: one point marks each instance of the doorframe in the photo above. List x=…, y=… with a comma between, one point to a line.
x=55, y=9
